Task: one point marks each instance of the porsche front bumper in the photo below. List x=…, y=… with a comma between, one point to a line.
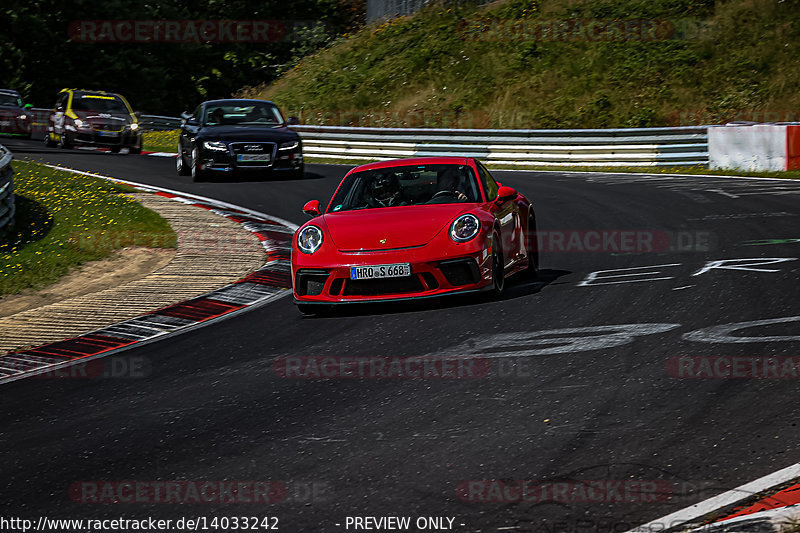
x=465, y=268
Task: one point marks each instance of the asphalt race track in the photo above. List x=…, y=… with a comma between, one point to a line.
x=599, y=404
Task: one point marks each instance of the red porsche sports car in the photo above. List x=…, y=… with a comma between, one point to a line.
x=412, y=228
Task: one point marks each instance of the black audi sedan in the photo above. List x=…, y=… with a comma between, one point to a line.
x=223, y=137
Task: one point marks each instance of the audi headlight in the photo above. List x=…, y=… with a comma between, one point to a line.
x=464, y=228
x=23, y=117
x=215, y=145
x=309, y=239
x=134, y=126
x=80, y=124
x=291, y=145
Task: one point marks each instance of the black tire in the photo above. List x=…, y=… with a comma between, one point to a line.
x=48, y=142
x=115, y=149
x=64, y=142
x=135, y=150
x=532, y=272
x=195, y=171
x=180, y=165
x=498, y=268
x=300, y=172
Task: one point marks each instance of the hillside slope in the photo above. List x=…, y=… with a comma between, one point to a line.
x=557, y=64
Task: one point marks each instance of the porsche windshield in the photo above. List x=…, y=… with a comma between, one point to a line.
x=407, y=185
x=99, y=104
x=251, y=114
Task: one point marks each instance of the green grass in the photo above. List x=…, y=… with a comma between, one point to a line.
x=66, y=219
x=160, y=141
x=727, y=59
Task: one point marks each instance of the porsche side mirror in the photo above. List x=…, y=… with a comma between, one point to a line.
x=28, y=106
x=505, y=194
x=312, y=208
x=292, y=121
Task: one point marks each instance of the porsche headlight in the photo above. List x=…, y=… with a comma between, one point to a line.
x=309, y=239
x=215, y=145
x=291, y=145
x=464, y=228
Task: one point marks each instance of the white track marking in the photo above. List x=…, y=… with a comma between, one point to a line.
x=698, y=511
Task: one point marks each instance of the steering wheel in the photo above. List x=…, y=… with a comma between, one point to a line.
x=446, y=192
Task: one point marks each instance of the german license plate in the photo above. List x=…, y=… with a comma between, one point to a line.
x=5, y=122
x=253, y=157
x=399, y=270
x=107, y=134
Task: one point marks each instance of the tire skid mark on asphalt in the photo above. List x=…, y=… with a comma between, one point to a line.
x=270, y=282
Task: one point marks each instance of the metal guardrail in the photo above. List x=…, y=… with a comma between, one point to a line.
x=677, y=146
x=587, y=147
x=159, y=123
x=7, y=207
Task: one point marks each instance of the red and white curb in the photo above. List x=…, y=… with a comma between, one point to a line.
x=734, y=511
x=267, y=284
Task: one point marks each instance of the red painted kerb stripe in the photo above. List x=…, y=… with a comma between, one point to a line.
x=792, y=147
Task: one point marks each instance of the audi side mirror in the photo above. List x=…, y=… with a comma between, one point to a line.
x=312, y=208
x=292, y=121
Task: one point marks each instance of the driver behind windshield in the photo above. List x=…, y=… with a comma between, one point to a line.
x=384, y=191
x=448, y=184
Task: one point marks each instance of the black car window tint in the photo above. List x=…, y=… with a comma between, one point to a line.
x=488, y=182
x=7, y=99
x=99, y=104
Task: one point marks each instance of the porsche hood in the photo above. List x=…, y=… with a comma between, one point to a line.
x=391, y=227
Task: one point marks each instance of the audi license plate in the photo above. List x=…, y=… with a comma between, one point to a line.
x=5, y=122
x=253, y=157
x=107, y=134
x=399, y=270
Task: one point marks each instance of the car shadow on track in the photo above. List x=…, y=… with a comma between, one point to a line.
x=515, y=288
